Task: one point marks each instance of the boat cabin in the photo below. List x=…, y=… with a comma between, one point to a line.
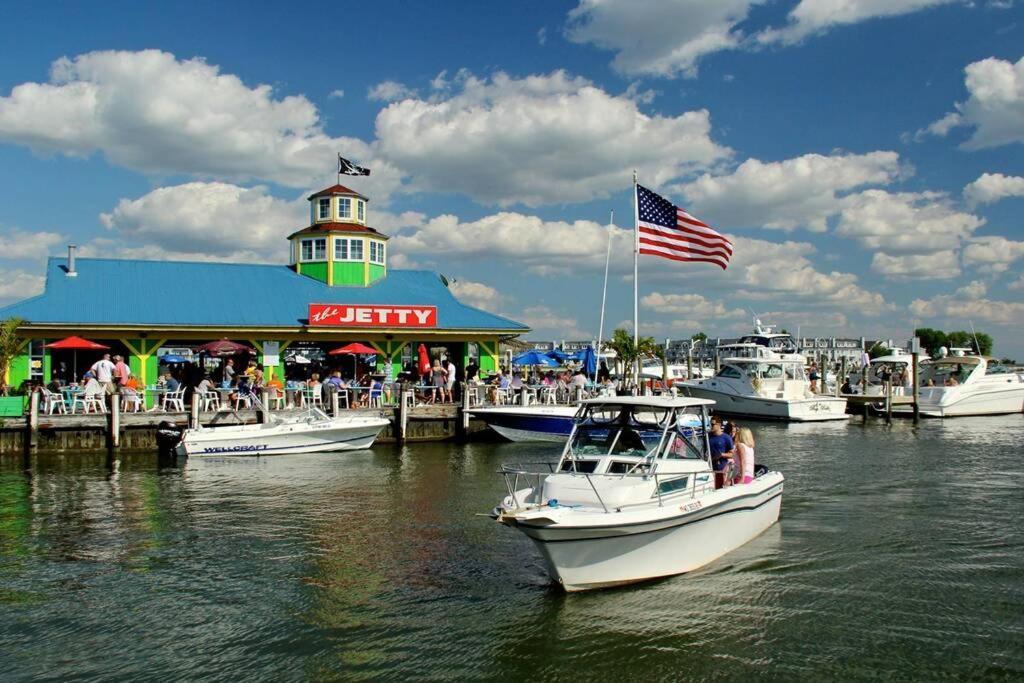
x=769, y=378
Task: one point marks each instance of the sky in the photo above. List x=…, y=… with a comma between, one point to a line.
x=865, y=156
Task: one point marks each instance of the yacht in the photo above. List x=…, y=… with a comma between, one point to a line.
x=676, y=373
x=536, y=422
x=963, y=384
x=897, y=366
x=634, y=497
x=756, y=382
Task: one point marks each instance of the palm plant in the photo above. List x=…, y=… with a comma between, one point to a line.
x=10, y=344
x=627, y=352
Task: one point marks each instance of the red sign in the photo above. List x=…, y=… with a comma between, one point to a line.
x=365, y=315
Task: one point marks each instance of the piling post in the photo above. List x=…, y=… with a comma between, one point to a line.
x=261, y=410
x=464, y=410
x=32, y=437
x=524, y=397
x=114, y=422
x=842, y=371
x=915, y=357
x=193, y=413
x=888, y=402
x=335, y=407
x=406, y=404
x=689, y=365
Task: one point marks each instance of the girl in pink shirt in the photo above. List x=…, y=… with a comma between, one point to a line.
x=745, y=455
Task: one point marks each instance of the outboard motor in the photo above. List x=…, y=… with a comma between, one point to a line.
x=168, y=435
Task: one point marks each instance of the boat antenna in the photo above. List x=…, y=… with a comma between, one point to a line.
x=977, y=345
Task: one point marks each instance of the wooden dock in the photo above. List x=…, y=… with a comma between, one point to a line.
x=410, y=421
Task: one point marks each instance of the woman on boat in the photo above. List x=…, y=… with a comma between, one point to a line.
x=745, y=455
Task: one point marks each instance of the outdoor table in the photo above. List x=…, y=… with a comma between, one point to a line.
x=156, y=392
x=70, y=393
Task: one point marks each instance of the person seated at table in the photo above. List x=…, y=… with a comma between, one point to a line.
x=314, y=381
x=205, y=385
x=53, y=386
x=170, y=383
x=579, y=381
x=257, y=379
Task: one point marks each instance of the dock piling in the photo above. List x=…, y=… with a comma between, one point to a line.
x=32, y=437
x=114, y=423
x=917, y=386
x=193, y=414
x=888, y=402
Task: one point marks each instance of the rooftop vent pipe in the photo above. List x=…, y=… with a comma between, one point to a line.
x=71, y=261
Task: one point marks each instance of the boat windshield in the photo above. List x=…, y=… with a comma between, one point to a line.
x=945, y=373
x=619, y=430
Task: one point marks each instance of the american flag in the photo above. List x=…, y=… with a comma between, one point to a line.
x=668, y=231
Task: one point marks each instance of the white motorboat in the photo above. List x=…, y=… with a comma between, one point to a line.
x=764, y=385
x=896, y=368
x=960, y=385
x=676, y=373
x=633, y=496
x=312, y=431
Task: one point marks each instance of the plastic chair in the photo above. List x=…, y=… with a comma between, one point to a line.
x=275, y=399
x=90, y=401
x=52, y=401
x=175, y=399
x=210, y=400
x=133, y=400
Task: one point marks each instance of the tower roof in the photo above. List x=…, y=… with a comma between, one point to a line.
x=339, y=227
x=336, y=190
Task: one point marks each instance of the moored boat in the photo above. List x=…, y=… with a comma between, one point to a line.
x=312, y=431
x=528, y=423
x=960, y=385
x=633, y=496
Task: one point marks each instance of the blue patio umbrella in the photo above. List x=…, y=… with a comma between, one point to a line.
x=560, y=356
x=169, y=358
x=588, y=358
x=534, y=357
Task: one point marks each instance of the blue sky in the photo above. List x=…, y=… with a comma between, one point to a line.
x=864, y=154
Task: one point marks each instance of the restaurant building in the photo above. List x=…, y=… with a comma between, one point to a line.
x=337, y=288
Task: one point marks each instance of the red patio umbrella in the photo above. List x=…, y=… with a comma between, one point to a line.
x=354, y=349
x=424, y=360
x=223, y=348
x=75, y=344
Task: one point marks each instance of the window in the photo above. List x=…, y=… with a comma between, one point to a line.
x=344, y=207
x=314, y=249
x=376, y=252
x=324, y=208
x=360, y=210
x=348, y=249
x=730, y=372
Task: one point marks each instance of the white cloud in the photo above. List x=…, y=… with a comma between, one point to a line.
x=995, y=254
x=22, y=244
x=991, y=187
x=336, y=94
x=906, y=222
x=994, y=107
x=539, y=139
x=658, y=38
x=389, y=91
x=16, y=285
x=957, y=309
x=547, y=323
x=802, y=191
x=151, y=112
x=477, y=294
x=542, y=35
x=812, y=17
x=219, y=219
x=690, y=305
x=940, y=265
x=1016, y=284
x=539, y=246
x=668, y=38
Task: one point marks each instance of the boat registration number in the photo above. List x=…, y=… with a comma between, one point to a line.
x=690, y=507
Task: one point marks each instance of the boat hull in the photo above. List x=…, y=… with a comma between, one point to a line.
x=598, y=557
x=529, y=423
x=816, y=409
x=997, y=400
x=333, y=435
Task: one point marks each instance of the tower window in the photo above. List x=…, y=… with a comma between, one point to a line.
x=376, y=252
x=348, y=249
x=314, y=249
x=324, y=208
x=344, y=207
x=361, y=210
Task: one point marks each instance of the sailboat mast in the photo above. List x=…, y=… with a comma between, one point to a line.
x=604, y=292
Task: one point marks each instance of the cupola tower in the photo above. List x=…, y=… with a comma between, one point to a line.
x=339, y=248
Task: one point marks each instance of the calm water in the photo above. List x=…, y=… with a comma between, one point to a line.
x=900, y=554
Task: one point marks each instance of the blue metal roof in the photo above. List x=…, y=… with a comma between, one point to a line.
x=185, y=293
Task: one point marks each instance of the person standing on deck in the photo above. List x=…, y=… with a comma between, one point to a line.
x=122, y=373
x=228, y=374
x=450, y=378
x=103, y=371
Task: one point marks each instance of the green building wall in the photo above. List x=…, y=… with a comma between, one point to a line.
x=376, y=272
x=348, y=273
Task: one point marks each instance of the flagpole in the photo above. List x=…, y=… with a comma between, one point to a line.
x=636, y=285
x=604, y=292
